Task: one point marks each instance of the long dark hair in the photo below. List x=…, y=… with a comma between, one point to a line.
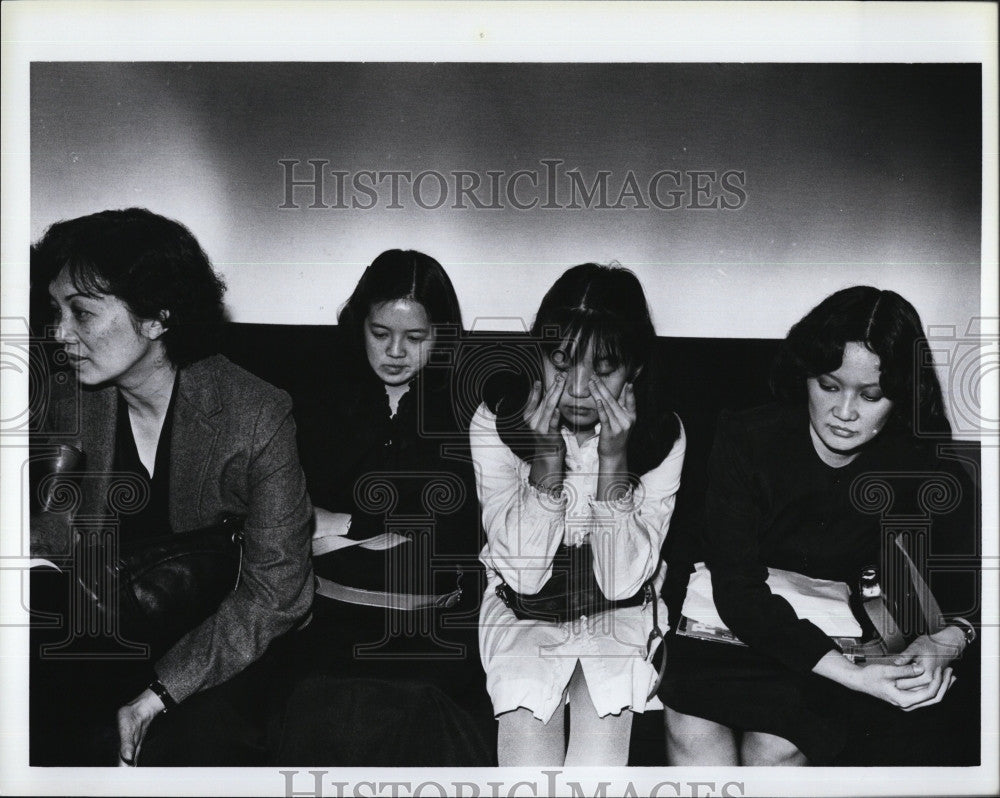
x=401, y=274
x=153, y=264
x=604, y=306
x=889, y=327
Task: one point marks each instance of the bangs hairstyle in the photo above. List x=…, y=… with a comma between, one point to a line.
x=398, y=274
x=890, y=328
x=603, y=306
x=153, y=264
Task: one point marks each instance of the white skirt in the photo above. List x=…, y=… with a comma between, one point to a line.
x=529, y=663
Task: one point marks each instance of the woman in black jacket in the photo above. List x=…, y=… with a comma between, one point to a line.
x=397, y=537
x=813, y=486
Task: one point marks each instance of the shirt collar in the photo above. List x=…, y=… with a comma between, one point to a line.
x=574, y=450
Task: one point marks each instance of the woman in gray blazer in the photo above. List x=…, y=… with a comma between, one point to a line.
x=136, y=303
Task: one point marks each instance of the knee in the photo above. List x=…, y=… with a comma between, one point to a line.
x=769, y=750
x=520, y=722
x=524, y=741
x=694, y=740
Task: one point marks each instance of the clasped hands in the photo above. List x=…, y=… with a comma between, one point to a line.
x=920, y=675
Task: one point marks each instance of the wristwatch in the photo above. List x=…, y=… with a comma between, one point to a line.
x=967, y=629
x=157, y=687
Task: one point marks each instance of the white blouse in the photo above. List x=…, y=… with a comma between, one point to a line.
x=529, y=663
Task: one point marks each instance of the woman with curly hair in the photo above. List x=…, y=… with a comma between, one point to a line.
x=136, y=305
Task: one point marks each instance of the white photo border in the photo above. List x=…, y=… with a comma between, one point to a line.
x=476, y=32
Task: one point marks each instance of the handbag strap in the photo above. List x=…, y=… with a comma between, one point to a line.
x=928, y=604
x=878, y=611
x=655, y=633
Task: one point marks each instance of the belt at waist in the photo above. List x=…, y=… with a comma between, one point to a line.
x=389, y=601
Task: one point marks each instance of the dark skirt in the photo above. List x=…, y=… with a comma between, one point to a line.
x=358, y=686
x=226, y=725
x=832, y=725
x=77, y=681
x=375, y=687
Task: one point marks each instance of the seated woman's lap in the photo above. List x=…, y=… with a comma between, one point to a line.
x=225, y=725
x=73, y=694
x=738, y=688
x=313, y=700
x=374, y=722
x=354, y=641
x=404, y=698
x=943, y=734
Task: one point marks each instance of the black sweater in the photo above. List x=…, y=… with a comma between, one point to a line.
x=410, y=474
x=771, y=502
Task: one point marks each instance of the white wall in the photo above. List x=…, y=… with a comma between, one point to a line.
x=853, y=174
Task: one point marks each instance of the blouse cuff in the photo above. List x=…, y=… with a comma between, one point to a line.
x=620, y=507
x=552, y=501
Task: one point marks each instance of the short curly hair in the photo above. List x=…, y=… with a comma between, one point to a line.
x=889, y=327
x=153, y=264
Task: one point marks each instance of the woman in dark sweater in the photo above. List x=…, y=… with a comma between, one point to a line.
x=396, y=540
x=812, y=486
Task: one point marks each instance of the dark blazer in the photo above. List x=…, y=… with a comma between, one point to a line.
x=233, y=452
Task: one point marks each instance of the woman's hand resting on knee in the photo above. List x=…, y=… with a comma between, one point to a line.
x=134, y=720
x=908, y=685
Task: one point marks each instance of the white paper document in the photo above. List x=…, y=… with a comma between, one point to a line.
x=821, y=601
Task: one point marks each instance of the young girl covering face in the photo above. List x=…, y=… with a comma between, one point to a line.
x=578, y=455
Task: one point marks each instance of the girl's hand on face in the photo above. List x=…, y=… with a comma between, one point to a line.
x=542, y=413
x=617, y=417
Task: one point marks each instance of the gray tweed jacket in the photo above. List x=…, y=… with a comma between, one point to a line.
x=233, y=452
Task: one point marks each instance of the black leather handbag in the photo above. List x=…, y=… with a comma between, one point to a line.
x=571, y=591
x=160, y=588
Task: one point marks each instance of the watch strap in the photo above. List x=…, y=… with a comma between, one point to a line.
x=967, y=629
x=168, y=702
